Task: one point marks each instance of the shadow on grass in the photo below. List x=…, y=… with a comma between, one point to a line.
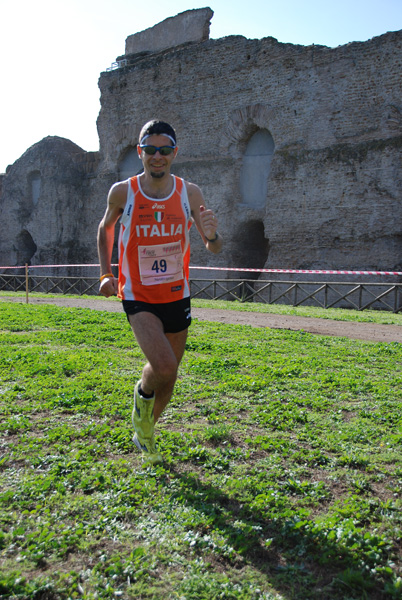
x=299, y=561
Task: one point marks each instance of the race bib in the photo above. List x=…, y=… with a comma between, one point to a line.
x=162, y=263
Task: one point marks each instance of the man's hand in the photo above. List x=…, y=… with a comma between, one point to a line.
x=209, y=222
x=108, y=287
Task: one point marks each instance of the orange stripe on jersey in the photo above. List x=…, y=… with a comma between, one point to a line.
x=154, y=246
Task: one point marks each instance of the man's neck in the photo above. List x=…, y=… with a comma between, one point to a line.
x=157, y=188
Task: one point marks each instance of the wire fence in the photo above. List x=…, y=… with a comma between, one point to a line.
x=341, y=294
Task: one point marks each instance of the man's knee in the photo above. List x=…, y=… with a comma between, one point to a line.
x=165, y=370
x=168, y=371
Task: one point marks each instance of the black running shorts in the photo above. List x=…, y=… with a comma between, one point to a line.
x=175, y=316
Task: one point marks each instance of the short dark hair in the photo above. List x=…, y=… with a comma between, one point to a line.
x=156, y=127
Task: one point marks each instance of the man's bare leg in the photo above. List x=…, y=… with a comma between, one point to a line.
x=164, y=352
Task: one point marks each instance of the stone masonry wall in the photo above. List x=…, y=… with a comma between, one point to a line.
x=334, y=191
x=46, y=221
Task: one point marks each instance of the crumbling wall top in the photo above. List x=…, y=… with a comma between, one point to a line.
x=188, y=26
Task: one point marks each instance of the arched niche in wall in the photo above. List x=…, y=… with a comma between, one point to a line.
x=252, y=247
x=255, y=169
x=129, y=164
x=35, y=185
x=251, y=252
x=26, y=247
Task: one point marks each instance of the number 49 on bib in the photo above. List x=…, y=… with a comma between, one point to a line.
x=159, y=266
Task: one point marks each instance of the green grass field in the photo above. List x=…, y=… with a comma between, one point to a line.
x=282, y=475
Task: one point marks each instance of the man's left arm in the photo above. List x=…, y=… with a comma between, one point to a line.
x=205, y=219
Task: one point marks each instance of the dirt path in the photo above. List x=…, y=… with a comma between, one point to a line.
x=359, y=331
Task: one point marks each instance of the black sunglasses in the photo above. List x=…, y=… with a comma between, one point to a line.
x=163, y=150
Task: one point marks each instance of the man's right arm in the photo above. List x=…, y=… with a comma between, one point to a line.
x=115, y=205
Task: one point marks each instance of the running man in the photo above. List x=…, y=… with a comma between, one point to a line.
x=156, y=210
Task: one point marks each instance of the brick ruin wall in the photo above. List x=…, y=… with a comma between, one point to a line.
x=332, y=192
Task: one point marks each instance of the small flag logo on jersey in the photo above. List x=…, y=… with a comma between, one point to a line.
x=159, y=216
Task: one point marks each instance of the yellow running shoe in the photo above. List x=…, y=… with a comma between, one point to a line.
x=143, y=422
x=148, y=449
x=142, y=416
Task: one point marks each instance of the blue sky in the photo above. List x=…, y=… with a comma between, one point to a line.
x=52, y=51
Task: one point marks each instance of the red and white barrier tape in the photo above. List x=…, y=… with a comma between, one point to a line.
x=325, y=272
x=51, y=266
x=315, y=271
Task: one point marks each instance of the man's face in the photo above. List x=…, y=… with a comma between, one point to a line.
x=157, y=165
